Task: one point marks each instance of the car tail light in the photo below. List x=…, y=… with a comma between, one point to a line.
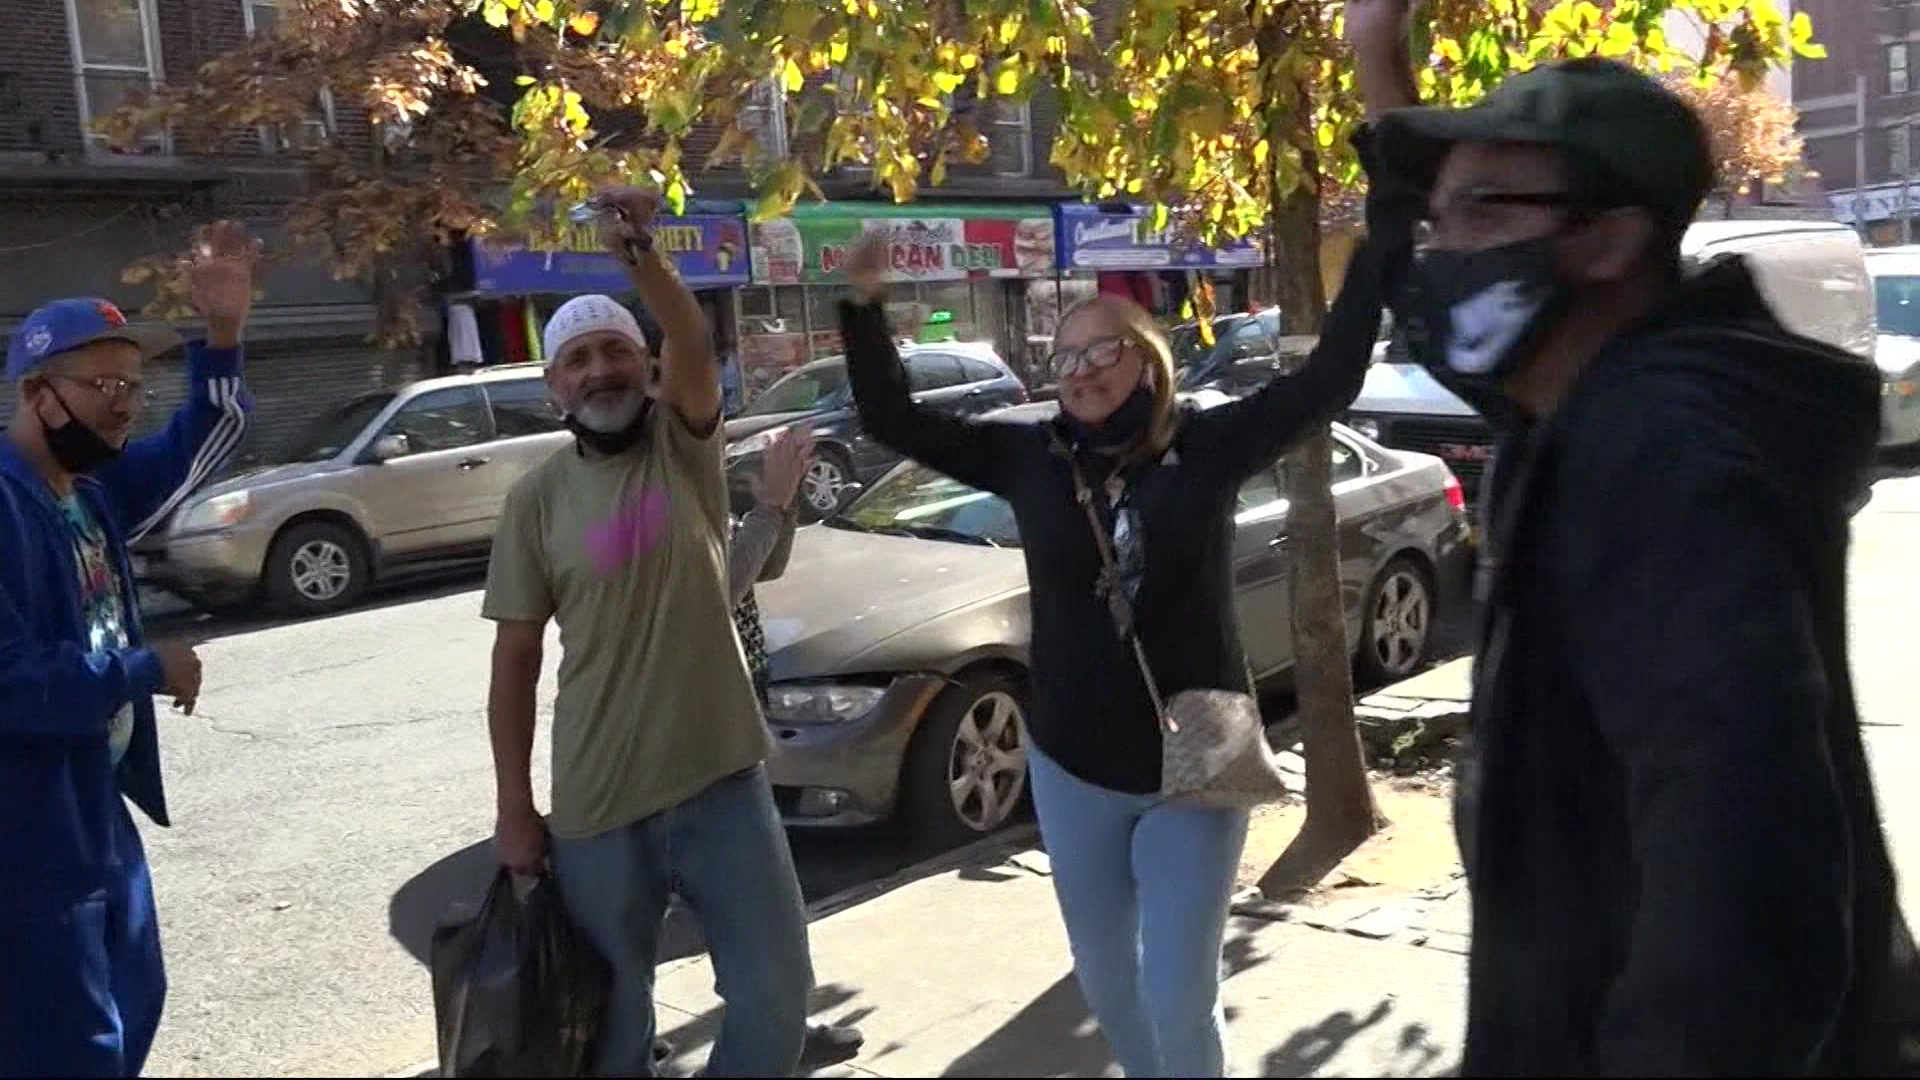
x=1456, y=495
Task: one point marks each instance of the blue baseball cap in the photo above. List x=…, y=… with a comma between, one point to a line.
x=66, y=325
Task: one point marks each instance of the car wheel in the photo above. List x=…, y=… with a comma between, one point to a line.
x=826, y=484
x=1396, y=626
x=316, y=567
x=966, y=769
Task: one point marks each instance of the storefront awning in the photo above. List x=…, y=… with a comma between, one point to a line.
x=709, y=250
x=1110, y=236
x=928, y=242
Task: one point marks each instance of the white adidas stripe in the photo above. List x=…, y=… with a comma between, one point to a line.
x=219, y=445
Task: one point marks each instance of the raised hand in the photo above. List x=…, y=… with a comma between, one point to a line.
x=628, y=230
x=1379, y=32
x=867, y=269
x=785, y=466
x=220, y=277
x=1375, y=24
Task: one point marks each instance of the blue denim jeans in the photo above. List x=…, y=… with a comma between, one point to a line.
x=1144, y=887
x=725, y=854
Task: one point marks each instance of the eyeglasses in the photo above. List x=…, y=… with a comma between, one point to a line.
x=1474, y=213
x=113, y=388
x=1095, y=356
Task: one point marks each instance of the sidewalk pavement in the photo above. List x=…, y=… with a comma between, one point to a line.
x=964, y=971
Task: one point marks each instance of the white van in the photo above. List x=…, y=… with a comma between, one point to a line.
x=1896, y=292
x=1813, y=273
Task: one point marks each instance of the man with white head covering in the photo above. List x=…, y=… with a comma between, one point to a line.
x=658, y=740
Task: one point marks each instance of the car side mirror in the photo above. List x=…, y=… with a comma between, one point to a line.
x=388, y=447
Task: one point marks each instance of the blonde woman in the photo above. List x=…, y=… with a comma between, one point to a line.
x=1143, y=884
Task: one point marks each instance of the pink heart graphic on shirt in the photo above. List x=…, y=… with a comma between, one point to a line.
x=632, y=531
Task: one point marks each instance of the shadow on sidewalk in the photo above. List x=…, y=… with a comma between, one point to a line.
x=1053, y=1036
x=454, y=887
x=1310, y=1049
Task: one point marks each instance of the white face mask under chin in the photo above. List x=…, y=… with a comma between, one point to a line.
x=1485, y=326
x=610, y=416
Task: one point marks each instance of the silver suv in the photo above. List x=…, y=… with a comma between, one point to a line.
x=383, y=485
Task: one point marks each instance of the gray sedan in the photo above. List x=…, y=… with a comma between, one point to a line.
x=899, y=633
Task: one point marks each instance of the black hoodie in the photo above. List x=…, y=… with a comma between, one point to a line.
x=1675, y=855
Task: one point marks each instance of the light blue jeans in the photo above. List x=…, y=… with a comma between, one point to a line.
x=725, y=854
x=1144, y=887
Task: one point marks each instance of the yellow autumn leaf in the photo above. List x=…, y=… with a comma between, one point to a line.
x=584, y=23
x=796, y=80
x=1007, y=82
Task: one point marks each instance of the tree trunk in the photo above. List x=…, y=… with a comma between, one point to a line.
x=1341, y=813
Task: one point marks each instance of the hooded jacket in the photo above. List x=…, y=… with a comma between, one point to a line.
x=61, y=820
x=1675, y=855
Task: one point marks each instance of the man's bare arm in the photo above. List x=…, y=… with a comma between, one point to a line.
x=1379, y=31
x=689, y=378
x=518, y=649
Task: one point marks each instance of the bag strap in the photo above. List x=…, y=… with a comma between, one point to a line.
x=1117, y=604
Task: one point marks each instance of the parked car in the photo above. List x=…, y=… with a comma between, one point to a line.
x=963, y=377
x=383, y=485
x=1896, y=291
x=1813, y=272
x=899, y=633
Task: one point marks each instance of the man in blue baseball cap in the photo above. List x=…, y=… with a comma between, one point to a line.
x=81, y=982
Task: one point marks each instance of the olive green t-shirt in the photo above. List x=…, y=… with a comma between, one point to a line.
x=628, y=553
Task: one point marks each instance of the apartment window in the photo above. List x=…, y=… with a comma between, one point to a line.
x=1010, y=137
x=1897, y=55
x=115, y=58
x=765, y=116
x=263, y=17
x=1899, y=151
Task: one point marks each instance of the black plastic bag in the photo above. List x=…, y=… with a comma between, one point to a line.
x=517, y=989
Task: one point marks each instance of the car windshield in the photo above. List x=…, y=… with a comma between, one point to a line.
x=331, y=432
x=1896, y=302
x=914, y=500
x=806, y=390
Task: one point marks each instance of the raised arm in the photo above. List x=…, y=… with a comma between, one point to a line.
x=1250, y=434
x=153, y=475
x=979, y=453
x=686, y=378
x=763, y=539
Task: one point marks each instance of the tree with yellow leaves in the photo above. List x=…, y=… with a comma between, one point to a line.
x=1231, y=118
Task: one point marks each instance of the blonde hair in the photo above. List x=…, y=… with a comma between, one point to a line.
x=1138, y=327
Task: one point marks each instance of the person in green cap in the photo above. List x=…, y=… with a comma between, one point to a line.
x=1670, y=832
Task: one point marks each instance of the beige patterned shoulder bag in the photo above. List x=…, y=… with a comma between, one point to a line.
x=1213, y=743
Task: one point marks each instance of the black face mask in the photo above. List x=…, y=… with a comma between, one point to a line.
x=1120, y=428
x=76, y=447
x=1472, y=316
x=608, y=443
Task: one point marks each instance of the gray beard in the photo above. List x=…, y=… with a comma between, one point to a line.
x=609, y=415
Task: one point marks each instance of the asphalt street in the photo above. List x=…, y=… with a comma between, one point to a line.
x=334, y=797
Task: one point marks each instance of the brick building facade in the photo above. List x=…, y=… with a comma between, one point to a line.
x=74, y=212
x=1859, y=107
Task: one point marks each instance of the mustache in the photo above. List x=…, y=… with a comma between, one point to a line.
x=607, y=382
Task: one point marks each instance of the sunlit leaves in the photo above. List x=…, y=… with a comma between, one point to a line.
x=1210, y=112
